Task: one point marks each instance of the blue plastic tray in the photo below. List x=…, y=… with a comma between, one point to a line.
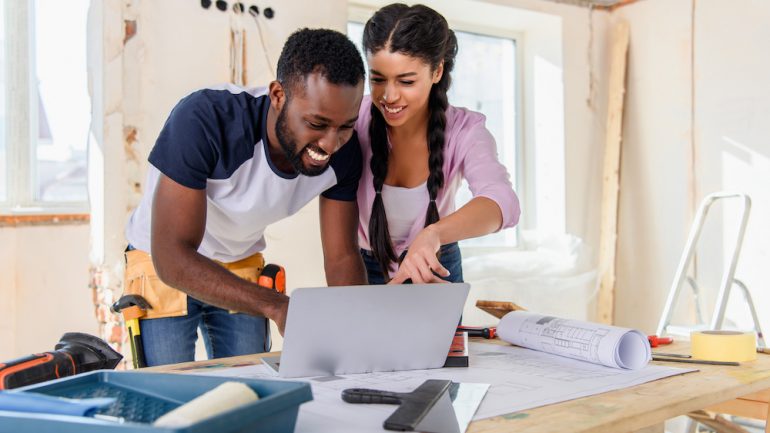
x=144, y=397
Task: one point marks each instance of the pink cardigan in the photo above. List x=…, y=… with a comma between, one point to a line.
x=469, y=153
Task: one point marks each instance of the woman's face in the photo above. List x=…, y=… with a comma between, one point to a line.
x=400, y=86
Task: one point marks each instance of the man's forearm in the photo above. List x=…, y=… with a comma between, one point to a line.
x=345, y=271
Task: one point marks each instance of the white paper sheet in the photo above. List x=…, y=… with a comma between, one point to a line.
x=520, y=379
x=592, y=342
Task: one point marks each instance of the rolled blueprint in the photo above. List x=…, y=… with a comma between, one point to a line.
x=592, y=342
x=223, y=398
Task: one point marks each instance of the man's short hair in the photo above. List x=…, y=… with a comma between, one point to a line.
x=327, y=52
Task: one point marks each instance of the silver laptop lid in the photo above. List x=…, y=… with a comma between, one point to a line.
x=360, y=329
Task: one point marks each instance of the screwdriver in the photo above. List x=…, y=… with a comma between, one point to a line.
x=479, y=331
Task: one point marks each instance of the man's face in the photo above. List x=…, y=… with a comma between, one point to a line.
x=315, y=121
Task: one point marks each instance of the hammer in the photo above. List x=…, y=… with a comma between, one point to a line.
x=133, y=308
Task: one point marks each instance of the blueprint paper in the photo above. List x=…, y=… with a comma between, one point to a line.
x=519, y=379
x=524, y=379
x=592, y=342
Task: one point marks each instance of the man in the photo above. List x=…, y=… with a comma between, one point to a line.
x=227, y=164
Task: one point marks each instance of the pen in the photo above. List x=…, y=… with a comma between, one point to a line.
x=671, y=355
x=485, y=332
x=695, y=361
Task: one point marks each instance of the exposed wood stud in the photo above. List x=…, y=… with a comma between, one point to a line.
x=608, y=5
x=37, y=220
x=611, y=174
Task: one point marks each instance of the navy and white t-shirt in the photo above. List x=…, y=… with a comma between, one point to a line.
x=216, y=139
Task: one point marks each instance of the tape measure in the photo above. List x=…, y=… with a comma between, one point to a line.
x=273, y=277
x=729, y=346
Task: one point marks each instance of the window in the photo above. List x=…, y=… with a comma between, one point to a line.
x=484, y=80
x=44, y=125
x=3, y=153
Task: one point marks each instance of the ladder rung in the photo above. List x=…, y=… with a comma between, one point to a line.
x=685, y=330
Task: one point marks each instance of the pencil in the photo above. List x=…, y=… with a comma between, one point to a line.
x=695, y=361
x=671, y=355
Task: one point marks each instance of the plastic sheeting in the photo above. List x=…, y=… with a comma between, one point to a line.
x=547, y=274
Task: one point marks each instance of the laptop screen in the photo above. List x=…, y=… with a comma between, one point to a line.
x=361, y=329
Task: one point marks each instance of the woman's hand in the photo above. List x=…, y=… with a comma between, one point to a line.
x=421, y=262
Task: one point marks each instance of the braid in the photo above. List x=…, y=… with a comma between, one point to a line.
x=379, y=234
x=437, y=106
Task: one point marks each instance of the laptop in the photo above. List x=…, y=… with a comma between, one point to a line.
x=362, y=329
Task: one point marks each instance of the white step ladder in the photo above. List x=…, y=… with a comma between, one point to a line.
x=728, y=276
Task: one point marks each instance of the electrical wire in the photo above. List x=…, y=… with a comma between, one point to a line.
x=270, y=65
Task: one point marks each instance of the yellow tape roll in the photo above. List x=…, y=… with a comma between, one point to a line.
x=731, y=346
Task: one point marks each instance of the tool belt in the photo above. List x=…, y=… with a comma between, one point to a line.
x=141, y=279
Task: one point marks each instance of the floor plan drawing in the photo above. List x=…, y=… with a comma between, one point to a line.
x=592, y=342
x=519, y=379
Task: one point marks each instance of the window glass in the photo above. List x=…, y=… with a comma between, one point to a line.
x=484, y=80
x=356, y=34
x=64, y=109
x=3, y=154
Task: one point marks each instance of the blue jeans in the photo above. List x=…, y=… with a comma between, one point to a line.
x=449, y=258
x=172, y=339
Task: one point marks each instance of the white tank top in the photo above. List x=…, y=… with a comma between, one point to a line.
x=403, y=206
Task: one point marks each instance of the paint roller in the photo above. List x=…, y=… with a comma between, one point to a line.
x=223, y=398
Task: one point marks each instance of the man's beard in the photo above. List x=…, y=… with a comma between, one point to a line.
x=289, y=146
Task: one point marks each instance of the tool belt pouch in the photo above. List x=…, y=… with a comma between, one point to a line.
x=249, y=268
x=141, y=279
x=166, y=301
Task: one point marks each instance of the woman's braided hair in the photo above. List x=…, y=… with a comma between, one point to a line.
x=417, y=31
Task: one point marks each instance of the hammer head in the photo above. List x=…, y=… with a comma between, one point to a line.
x=126, y=301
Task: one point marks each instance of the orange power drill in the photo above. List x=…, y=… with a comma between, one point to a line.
x=75, y=353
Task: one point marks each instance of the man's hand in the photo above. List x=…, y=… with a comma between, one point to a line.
x=421, y=262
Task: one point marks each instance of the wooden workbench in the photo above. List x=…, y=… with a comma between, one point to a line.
x=642, y=408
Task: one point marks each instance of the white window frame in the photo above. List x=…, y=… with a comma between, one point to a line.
x=360, y=13
x=22, y=117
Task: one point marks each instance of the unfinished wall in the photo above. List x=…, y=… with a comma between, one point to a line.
x=654, y=197
x=43, y=287
x=8, y=293
x=732, y=97
x=696, y=110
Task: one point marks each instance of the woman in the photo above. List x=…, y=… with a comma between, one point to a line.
x=417, y=149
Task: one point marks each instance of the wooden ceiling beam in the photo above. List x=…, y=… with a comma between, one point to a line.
x=609, y=5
